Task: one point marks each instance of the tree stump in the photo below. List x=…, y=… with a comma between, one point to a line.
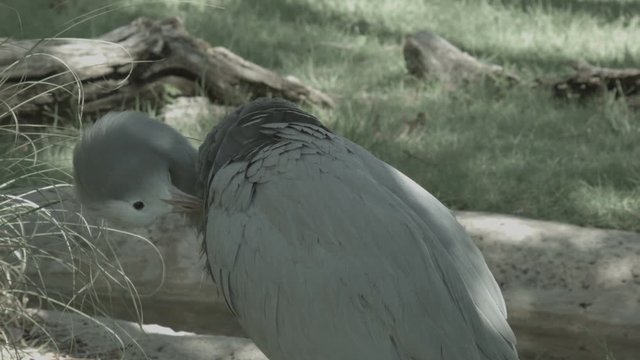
x=429, y=56
x=144, y=60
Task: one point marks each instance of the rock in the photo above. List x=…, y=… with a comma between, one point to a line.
x=572, y=293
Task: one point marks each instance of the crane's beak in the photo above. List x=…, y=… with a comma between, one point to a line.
x=184, y=203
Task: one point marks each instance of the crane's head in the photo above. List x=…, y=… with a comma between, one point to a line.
x=131, y=169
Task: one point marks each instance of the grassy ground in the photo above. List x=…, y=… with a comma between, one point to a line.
x=481, y=148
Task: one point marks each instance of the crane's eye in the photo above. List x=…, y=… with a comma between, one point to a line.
x=138, y=205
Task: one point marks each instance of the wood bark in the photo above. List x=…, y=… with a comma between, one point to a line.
x=590, y=80
x=146, y=60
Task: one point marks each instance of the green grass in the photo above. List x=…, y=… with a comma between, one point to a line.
x=508, y=150
x=37, y=235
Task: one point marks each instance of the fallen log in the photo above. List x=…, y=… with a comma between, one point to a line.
x=429, y=56
x=590, y=80
x=571, y=292
x=145, y=60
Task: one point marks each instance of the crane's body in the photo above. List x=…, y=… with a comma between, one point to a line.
x=322, y=251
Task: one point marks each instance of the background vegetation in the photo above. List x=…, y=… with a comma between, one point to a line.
x=508, y=150
x=479, y=147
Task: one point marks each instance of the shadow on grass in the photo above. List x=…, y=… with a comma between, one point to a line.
x=606, y=10
x=521, y=152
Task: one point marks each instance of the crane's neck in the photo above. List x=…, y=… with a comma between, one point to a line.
x=182, y=167
x=186, y=195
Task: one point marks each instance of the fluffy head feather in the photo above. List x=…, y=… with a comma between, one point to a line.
x=128, y=165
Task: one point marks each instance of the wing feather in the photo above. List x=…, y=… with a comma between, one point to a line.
x=333, y=254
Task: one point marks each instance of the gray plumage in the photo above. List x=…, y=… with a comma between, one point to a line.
x=322, y=251
x=127, y=157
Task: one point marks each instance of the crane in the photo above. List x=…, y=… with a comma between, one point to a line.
x=320, y=249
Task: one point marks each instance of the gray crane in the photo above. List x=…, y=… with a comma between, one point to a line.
x=321, y=250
